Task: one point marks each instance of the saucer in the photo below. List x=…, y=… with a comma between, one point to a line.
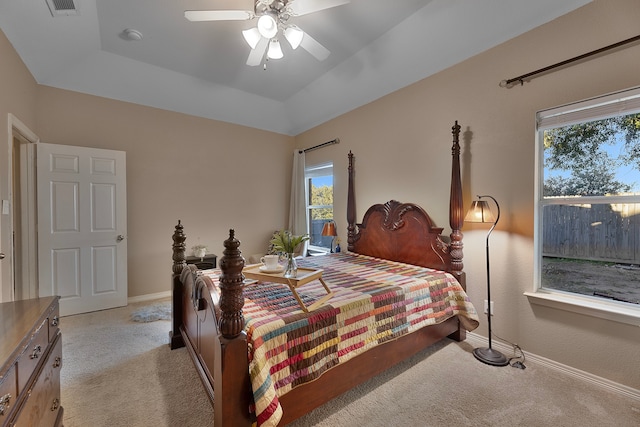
x=278, y=269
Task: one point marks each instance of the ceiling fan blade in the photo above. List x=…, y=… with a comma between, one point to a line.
x=218, y=15
x=314, y=48
x=303, y=7
x=256, y=55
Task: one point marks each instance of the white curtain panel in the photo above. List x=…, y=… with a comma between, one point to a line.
x=298, y=206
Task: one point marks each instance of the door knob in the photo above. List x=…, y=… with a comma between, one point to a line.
x=120, y=238
x=1, y=255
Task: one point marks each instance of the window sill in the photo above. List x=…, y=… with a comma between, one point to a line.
x=617, y=312
x=314, y=252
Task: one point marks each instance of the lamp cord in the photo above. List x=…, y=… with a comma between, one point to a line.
x=515, y=361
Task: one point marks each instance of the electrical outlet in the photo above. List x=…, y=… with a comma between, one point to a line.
x=486, y=307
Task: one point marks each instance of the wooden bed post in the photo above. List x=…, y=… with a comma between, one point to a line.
x=456, y=219
x=351, y=207
x=179, y=262
x=231, y=284
x=456, y=215
x=232, y=386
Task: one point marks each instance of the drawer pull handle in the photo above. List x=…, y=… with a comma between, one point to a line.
x=55, y=321
x=36, y=351
x=56, y=404
x=57, y=362
x=4, y=403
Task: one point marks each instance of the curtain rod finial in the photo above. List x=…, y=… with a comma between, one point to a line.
x=508, y=84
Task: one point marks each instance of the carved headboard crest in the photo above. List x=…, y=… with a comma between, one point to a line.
x=393, y=213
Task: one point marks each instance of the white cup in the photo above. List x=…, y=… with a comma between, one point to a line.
x=270, y=262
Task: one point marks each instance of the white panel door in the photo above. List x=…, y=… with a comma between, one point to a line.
x=82, y=227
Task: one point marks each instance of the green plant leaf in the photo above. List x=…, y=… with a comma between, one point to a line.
x=285, y=242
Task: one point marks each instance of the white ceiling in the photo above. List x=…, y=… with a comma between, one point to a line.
x=198, y=68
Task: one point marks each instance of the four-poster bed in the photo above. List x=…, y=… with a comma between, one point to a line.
x=234, y=333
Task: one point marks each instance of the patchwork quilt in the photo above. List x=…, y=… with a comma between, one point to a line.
x=374, y=301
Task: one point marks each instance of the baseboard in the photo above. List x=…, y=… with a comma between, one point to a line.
x=149, y=297
x=621, y=389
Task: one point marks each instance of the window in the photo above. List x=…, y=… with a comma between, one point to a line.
x=319, y=182
x=588, y=205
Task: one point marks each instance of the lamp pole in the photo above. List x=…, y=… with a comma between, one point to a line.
x=489, y=355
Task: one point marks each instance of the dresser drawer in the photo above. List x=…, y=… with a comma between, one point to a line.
x=43, y=404
x=8, y=393
x=30, y=361
x=32, y=354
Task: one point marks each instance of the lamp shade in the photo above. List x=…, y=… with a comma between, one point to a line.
x=252, y=37
x=294, y=36
x=275, y=50
x=329, y=229
x=480, y=212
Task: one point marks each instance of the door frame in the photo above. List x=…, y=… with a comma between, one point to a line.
x=17, y=129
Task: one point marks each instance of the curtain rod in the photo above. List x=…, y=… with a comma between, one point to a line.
x=335, y=141
x=510, y=82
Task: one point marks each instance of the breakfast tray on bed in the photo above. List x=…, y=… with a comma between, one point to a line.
x=305, y=275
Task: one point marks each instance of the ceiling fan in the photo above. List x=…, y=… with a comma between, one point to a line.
x=272, y=17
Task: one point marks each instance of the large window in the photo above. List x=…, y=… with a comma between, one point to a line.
x=588, y=203
x=319, y=182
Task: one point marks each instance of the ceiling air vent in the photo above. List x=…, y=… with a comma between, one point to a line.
x=63, y=7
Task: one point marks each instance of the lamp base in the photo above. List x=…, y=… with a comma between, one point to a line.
x=490, y=356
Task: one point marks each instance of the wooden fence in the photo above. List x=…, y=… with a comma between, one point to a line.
x=602, y=232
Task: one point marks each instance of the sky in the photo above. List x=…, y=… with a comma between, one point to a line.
x=323, y=180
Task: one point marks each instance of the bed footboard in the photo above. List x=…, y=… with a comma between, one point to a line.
x=210, y=325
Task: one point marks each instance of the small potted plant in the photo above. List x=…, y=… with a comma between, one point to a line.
x=285, y=243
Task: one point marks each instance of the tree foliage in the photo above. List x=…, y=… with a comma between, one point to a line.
x=322, y=196
x=584, y=151
x=595, y=178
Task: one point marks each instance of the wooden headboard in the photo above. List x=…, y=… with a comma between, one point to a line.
x=404, y=232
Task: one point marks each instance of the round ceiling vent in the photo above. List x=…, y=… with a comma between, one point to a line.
x=131, y=34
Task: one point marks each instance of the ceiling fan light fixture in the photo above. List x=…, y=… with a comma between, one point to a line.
x=252, y=36
x=267, y=25
x=294, y=36
x=275, y=50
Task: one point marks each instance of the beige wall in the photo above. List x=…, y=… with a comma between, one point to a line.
x=17, y=97
x=395, y=137
x=176, y=157
x=211, y=175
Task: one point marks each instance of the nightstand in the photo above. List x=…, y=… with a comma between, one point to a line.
x=205, y=263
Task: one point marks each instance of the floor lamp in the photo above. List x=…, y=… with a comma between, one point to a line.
x=480, y=212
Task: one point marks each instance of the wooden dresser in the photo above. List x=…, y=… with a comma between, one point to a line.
x=31, y=359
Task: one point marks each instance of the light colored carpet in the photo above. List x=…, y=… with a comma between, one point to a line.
x=117, y=372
